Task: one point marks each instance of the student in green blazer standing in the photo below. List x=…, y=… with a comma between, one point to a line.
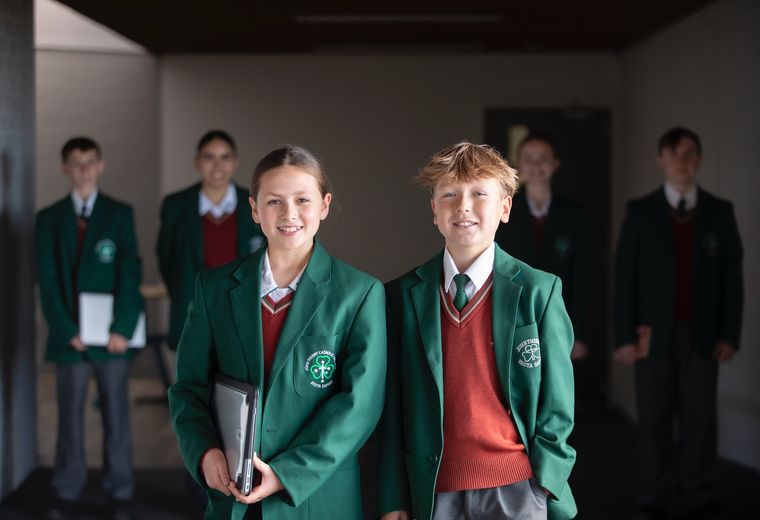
x=86, y=243
x=479, y=402
x=305, y=328
x=548, y=231
x=678, y=312
x=205, y=225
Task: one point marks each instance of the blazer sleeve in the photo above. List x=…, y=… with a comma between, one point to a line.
x=733, y=296
x=190, y=395
x=551, y=456
x=625, y=281
x=345, y=421
x=128, y=302
x=57, y=314
x=391, y=480
x=164, y=243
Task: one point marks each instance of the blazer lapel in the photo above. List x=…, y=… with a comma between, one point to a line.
x=246, y=311
x=194, y=229
x=662, y=221
x=68, y=234
x=427, y=306
x=308, y=298
x=700, y=226
x=506, y=296
x=97, y=219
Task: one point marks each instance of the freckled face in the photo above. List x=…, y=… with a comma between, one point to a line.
x=289, y=208
x=468, y=214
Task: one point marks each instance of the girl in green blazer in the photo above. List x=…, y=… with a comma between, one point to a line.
x=321, y=375
x=181, y=248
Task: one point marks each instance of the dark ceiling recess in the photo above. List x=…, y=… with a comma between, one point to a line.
x=226, y=26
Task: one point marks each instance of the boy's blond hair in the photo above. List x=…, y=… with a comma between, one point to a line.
x=466, y=162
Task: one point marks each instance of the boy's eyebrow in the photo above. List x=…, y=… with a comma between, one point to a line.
x=275, y=194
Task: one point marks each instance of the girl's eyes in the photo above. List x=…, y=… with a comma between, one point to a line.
x=303, y=201
x=273, y=202
x=448, y=195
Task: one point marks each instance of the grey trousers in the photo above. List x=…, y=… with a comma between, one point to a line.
x=682, y=387
x=70, y=471
x=524, y=500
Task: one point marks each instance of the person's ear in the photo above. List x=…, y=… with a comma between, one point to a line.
x=325, y=206
x=254, y=210
x=506, y=208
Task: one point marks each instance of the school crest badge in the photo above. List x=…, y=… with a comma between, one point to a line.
x=563, y=246
x=320, y=366
x=711, y=243
x=529, y=353
x=105, y=250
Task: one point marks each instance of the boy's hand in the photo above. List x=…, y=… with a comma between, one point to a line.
x=723, y=352
x=117, y=344
x=214, y=469
x=626, y=354
x=580, y=350
x=270, y=484
x=76, y=344
x=395, y=515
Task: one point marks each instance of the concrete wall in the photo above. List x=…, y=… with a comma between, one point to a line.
x=374, y=120
x=18, y=450
x=704, y=73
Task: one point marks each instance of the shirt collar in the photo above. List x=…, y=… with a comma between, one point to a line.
x=674, y=196
x=542, y=211
x=267, y=279
x=478, y=272
x=227, y=205
x=88, y=204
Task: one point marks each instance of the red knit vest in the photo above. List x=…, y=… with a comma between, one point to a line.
x=272, y=321
x=683, y=247
x=220, y=239
x=481, y=445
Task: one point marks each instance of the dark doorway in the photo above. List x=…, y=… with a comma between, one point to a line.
x=583, y=138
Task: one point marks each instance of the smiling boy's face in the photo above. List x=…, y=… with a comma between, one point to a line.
x=468, y=214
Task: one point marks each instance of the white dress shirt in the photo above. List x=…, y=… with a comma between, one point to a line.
x=87, y=204
x=674, y=196
x=269, y=286
x=227, y=205
x=478, y=272
x=542, y=211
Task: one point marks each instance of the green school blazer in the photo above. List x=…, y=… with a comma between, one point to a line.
x=646, y=274
x=564, y=251
x=180, y=248
x=109, y=263
x=527, y=305
x=310, y=430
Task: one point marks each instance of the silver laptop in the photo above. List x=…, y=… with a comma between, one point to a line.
x=233, y=407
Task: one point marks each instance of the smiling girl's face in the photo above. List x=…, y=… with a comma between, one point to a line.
x=289, y=207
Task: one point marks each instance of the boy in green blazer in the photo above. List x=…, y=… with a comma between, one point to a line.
x=548, y=231
x=205, y=225
x=678, y=311
x=86, y=243
x=479, y=402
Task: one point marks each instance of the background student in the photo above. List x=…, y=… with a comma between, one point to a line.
x=548, y=231
x=479, y=404
x=205, y=225
x=678, y=312
x=309, y=331
x=86, y=242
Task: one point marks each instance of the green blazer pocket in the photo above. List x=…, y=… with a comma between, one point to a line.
x=526, y=356
x=316, y=367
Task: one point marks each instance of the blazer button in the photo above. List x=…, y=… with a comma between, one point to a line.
x=433, y=459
